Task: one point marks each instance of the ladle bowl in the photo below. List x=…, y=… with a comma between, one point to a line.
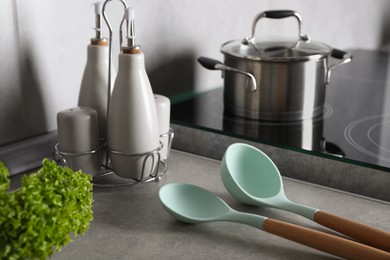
x=192, y=204
x=252, y=178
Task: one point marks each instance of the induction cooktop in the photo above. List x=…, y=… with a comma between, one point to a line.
x=355, y=123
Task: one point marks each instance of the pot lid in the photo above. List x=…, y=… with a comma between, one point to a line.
x=276, y=50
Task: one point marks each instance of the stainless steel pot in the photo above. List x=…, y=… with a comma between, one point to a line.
x=276, y=80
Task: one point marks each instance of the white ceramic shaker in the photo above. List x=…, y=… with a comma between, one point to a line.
x=94, y=83
x=78, y=135
x=163, y=105
x=132, y=131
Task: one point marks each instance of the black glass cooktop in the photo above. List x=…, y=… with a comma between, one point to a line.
x=355, y=124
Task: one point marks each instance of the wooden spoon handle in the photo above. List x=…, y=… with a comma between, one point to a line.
x=322, y=241
x=361, y=232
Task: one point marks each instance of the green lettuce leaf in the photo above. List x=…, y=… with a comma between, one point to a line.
x=39, y=218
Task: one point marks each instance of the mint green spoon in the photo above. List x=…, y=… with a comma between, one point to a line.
x=192, y=204
x=252, y=178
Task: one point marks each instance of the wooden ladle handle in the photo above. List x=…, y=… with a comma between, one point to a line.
x=361, y=232
x=328, y=243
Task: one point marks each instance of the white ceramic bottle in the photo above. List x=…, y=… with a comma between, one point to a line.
x=132, y=130
x=94, y=83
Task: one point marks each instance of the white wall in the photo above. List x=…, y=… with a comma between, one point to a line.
x=44, y=45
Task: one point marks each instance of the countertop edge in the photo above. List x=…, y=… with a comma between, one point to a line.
x=323, y=171
x=355, y=179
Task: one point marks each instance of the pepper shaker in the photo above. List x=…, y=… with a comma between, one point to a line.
x=163, y=105
x=78, y=136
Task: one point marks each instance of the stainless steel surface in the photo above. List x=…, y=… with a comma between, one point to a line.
x=271, y=14
x=213, y=64
x=26, y=155
x=109, y=87
x=98, y=26
x=109, y=24
x=277, y=49
x=250, y=82
x=345, y=58
x=289, y=91
x=292, y=75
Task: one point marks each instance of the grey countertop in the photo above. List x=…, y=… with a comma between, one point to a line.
x=130, y=223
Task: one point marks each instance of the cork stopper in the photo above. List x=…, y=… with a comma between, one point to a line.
x=132, y=50
x=100, y=42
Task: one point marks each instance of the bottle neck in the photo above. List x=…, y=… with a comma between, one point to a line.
x=97, y=53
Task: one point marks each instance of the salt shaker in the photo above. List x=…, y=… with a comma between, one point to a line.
x=78, y=136
x=163, y=106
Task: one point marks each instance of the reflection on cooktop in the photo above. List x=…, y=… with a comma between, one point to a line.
x=355, y=123
x=370, y=135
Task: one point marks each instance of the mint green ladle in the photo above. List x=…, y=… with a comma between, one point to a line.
x=252, y=178
x=192, y=204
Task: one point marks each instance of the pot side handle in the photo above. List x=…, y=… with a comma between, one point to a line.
x=209, y=63
x=212, y=64
x=344, y=56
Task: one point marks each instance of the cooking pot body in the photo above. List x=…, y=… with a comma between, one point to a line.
x=293, y=90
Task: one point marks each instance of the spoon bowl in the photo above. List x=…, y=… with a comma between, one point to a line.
x=253, y=178
x=240, y=170
x=191, y=204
